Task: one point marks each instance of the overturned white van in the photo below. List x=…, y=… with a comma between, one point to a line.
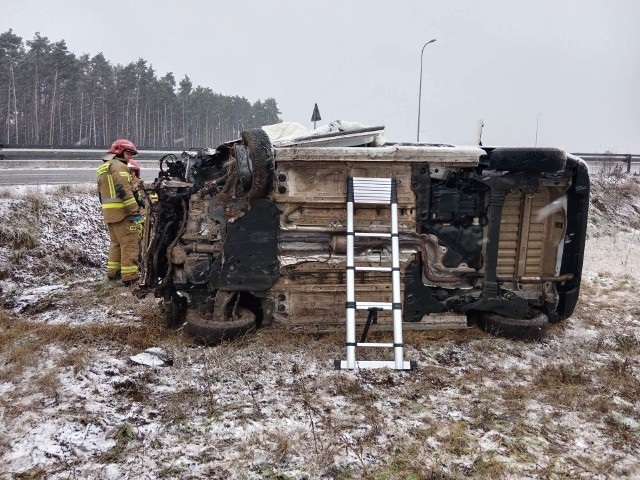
x=254, y=232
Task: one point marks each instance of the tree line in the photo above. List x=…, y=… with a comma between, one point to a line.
x=50, y=97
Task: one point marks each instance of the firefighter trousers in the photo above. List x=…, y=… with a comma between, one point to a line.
x=123, y=250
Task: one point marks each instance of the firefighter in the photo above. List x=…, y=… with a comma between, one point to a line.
x=136, y=182
x=134, y=169
x=120, y=211
x=136, y=186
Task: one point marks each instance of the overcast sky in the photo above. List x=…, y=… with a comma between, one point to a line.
x=573, y=66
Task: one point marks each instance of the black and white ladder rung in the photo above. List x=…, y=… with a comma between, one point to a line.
x=378, y=345
x=370, y=305
x=379, y=191
x=372, y=234
x=373, y=269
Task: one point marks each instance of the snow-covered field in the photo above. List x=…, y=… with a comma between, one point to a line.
x=270, y=405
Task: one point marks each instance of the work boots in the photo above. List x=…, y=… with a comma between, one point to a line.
x=131, y=282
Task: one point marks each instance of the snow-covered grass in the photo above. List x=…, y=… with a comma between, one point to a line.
x=270, y=405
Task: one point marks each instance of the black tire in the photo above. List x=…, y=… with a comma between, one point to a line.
x=262, y=163
x=527, y=159
x=243, y=163
x=213, y=333
x=550, y=311
x=532, y=328
x=175, y=311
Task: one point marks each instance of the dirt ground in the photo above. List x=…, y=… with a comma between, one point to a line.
x=270, y=405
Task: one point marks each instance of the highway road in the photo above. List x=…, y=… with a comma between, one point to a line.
x=70, y=175
x=56, y=176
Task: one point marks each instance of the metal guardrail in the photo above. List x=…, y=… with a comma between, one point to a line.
x=77, y=155
x=608, y=158
x=71, y=154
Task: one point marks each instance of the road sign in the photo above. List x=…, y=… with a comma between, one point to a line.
x=315, y=116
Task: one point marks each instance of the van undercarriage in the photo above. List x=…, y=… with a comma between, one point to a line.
x=253, y=233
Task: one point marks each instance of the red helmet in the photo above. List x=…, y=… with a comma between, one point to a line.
x=121, y=145
x=134, y=167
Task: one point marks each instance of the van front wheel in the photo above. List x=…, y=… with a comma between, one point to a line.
x=208, y=332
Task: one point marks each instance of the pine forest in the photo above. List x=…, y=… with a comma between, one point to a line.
x=49, y=97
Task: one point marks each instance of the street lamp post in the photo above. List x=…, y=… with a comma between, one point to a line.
x=537, y=123
x=420, y=92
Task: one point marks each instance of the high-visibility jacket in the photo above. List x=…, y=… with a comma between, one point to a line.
x=114, y=190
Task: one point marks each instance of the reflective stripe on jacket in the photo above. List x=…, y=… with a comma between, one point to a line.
x=114, y=189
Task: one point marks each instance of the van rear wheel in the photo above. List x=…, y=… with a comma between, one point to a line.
x=533, y=160
x=532, y=328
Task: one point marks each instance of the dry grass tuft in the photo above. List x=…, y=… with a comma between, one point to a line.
x=20, y=236
x=20, y=231
x=489, y=467
x=617, y=377
x=35, y=473
x=47, y=383
x=81, y=188
x=457, y=441
x=627, y=343
x=178, y=407
x=346, y=386
x=35, y=202
x=7, y=318
x=5, y=271
x=561, y=375
x=76, y=358
x=123, y=434
x=136, y=389
x=404, y=463
x=623, y=436
x=74, y=254
x=62, y=190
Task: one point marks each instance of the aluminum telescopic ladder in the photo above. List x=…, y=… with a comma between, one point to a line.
x=378, y=191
